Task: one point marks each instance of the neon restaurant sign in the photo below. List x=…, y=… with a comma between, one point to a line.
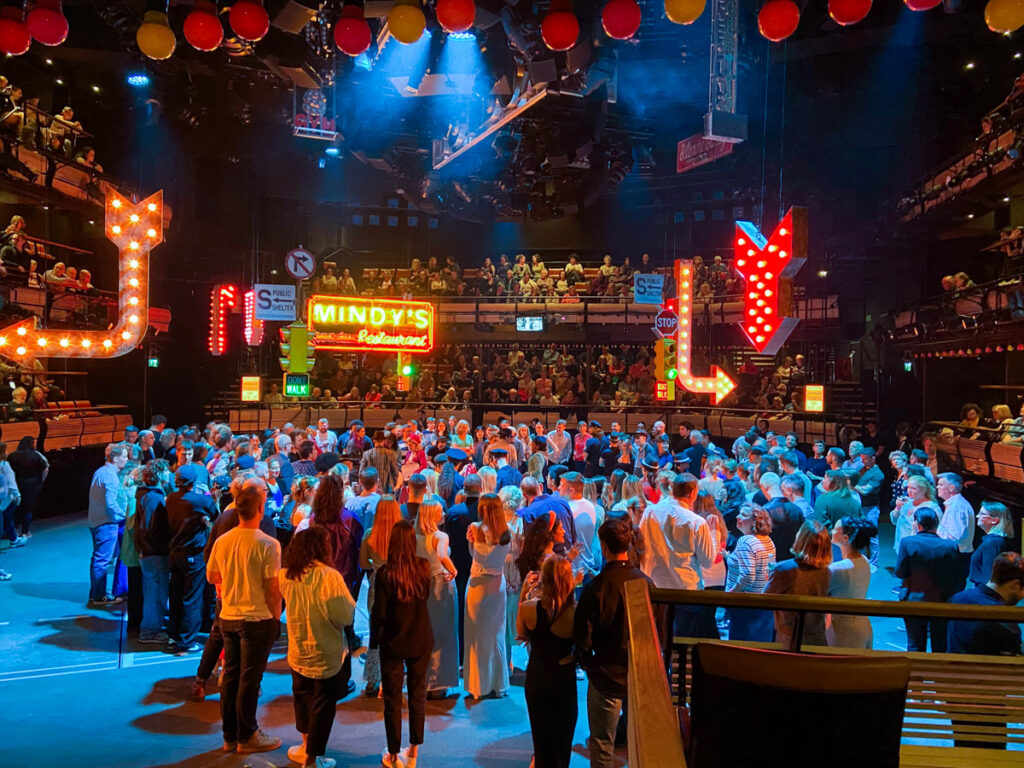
x=357, y=324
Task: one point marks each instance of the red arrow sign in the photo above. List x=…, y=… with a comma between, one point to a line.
x=666, y=323
x=135, y=229
x=768, y=266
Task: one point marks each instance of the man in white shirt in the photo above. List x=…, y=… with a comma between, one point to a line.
x=244, y=565
x=679, y=544
x=957, y=523
x=326, y=441
x=559, y=444
x=584, y=516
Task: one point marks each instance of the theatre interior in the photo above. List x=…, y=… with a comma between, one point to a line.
x=748, y=274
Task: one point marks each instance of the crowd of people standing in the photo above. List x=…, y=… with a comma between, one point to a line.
x=469, y=540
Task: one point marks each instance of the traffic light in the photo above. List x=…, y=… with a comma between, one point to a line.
x=296, y=348
x=665, y=360
x=671, y=371
x=407, y=369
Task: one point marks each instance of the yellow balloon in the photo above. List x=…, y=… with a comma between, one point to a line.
x=1004, y=15
x=154, y=36
x=406, y=23
x=684, y=11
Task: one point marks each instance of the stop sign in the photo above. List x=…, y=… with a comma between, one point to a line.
x=666, y=323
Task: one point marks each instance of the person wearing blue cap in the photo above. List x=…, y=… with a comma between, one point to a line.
x=189, y=515
x=507, y=474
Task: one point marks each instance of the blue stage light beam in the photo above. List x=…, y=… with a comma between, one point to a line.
x=137, y=79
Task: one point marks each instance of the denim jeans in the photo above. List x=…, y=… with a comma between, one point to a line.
x=247, y=645
x=156, y=582
x=104, y=544
x=603, y=716
x=871, y=513
x=9, y=531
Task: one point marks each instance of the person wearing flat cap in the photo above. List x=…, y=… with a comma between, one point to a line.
x=507, y=474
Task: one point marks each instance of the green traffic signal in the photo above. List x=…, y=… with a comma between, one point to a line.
x=672, y=373
x=407, y=370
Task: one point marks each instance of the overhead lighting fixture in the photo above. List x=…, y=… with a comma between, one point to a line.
x=969, y=65
x=49, y=62
x=822, y=273
x=462, y=36
x=1017, y=55
x=95, y=89
x=1006, y=199
x=137, y=79
x=59, y=81
x=970, y=215
x=332, y=151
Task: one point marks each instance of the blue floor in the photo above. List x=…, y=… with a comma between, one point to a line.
x=74, y=690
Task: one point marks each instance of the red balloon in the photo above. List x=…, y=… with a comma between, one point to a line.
x=778, y=19
x=203, y=29
x=456, y=15
x=922, y=5
x=249, y=20
x=352, y=33
x=46, y=22
x=14, y=35
x=560, y=30
x=621, y=19
x=847, y=12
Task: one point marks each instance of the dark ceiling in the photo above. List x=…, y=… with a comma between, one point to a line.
x=843, y=115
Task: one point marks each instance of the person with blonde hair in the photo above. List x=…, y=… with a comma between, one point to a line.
x=806, y=573
x=462, y=438
x=512, y=501
x=996, y=520
x=488, y=479
x=373, y=553
x=920, y=494
x=432, y=545
x=750, y=565
x=632, y=486
x=485, y=664
x=303, y=493
x=547, y=624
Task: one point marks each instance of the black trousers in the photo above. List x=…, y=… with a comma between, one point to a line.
x=185, y=597
x=211, y=651
x=391, y=673
x=552, y=705
x=29, y=496
x=918, y=631
x=247, y=646
x=314, y=701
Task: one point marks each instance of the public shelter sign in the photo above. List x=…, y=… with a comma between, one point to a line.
x=362, y=324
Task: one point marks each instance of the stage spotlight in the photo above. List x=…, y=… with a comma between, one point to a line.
x=462, y=35
x=138, y=79
x=332, y=151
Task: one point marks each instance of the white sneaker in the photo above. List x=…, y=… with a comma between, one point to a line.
x=387, y=762
x=323, y=762
x=410, y=762
x=297, y=754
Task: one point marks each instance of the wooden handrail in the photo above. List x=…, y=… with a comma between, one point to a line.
x=844, y=606
x=655, y=740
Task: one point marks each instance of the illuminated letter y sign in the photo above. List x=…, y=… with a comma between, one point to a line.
x=135, y=229
x=768, y=267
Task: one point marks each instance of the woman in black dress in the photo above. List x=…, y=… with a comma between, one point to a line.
x=547, y=624
x=30, y=469
x=400, y=628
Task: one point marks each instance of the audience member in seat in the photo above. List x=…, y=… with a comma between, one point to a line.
x=63, y=129
x=805, y=573
x=56, y=277
x=930, y=569
x=18, y=409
